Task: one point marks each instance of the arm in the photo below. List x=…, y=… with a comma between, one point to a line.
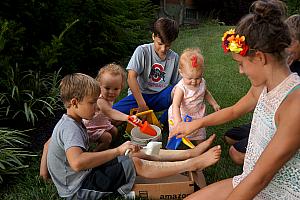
x=210, y=99
x=43, y=165
x=116, y=115
x=287, y=137
x=80, y=160
x=177, y=99
x=134, y=87
x=243, y=106
x=106, y=108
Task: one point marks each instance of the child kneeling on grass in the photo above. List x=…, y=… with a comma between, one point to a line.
x=111, y=78
x=79, y=174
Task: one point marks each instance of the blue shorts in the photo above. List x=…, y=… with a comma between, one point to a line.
x=157, y=102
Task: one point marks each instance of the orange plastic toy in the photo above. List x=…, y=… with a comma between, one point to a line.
x=145, y=127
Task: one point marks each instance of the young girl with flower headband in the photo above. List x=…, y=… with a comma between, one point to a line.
x=190, y=93
x=271, y=167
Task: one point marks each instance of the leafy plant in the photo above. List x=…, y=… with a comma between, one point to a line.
x=30, y=95
x=293, y=6
x=11, y=152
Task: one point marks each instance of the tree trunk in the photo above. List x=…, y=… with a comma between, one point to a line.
x=181, y=14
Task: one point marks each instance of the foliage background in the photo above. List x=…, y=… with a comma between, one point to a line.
x=42, y=40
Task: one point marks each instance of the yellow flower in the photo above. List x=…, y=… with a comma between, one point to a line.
x=234, y=43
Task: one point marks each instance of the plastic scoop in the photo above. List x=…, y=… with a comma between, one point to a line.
x=174, y=142
x=145, y=127
x=188, y=143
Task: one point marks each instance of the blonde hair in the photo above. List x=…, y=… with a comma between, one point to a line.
x=192, y=59
x=113, y=69
x=78, y=86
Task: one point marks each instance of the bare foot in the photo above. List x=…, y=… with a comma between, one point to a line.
x=202, y=147
x=206, y=159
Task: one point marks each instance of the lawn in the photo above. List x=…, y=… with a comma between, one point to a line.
x=225, y=84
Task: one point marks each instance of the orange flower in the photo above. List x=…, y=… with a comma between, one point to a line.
x=234, y=43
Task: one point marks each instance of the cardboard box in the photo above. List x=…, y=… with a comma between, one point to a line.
x=173, y=187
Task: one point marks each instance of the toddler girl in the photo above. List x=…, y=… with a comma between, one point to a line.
x=190, y=92
x=112, y=79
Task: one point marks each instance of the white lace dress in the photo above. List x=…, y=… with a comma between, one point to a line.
x=285, y=185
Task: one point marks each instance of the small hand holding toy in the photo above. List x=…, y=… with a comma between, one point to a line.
x=145, y=127
x=174, y=142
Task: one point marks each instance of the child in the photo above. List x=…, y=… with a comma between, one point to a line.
x=238, y=136
x=112, y=79
x=293, y=23
x=152, y=72
x=271, y=164
x=79, y=174
x=100, y=130
x=190, y=93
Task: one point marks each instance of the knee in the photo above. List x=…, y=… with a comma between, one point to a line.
x=106, y=138
x=113, y=132
x=137, y=164
x=236, y=156
x=229, y=140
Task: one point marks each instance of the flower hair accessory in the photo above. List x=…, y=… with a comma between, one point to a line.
x=194, y=61
x=234, y=43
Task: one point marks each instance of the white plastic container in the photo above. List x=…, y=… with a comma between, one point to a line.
x=143, y=139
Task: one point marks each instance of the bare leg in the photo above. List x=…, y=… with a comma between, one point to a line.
x=43, y=166
x=236, y=156
x=114, y=132
x=230, y=140
x=176, y=155
x=216, y=191
x=153, y=169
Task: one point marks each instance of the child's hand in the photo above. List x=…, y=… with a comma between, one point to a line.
x=127, y=146
x=216, y=107
x=177, y=121
x=133, y=119
x=182, y=129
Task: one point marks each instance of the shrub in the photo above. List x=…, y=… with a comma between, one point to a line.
x=11, y=152
x=293, y=6
x=29, y=95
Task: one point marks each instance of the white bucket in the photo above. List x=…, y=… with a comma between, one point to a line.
x=142, y=139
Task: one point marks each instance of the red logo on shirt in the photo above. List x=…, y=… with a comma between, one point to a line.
x=157, y=73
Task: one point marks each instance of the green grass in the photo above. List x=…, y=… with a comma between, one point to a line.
x=225, y=84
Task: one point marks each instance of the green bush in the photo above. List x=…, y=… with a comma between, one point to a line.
x=29, y=95
x=293, y=6
x=11, y=152
x=107, y=31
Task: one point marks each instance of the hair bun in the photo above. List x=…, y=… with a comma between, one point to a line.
x=267, y=11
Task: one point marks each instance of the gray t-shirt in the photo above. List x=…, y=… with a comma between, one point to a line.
x=154, y=74
x=67, y=133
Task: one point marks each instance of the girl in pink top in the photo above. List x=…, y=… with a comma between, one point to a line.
x=190, y=92
x=112, y=79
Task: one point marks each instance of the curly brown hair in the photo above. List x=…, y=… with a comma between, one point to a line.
x=265, y=30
